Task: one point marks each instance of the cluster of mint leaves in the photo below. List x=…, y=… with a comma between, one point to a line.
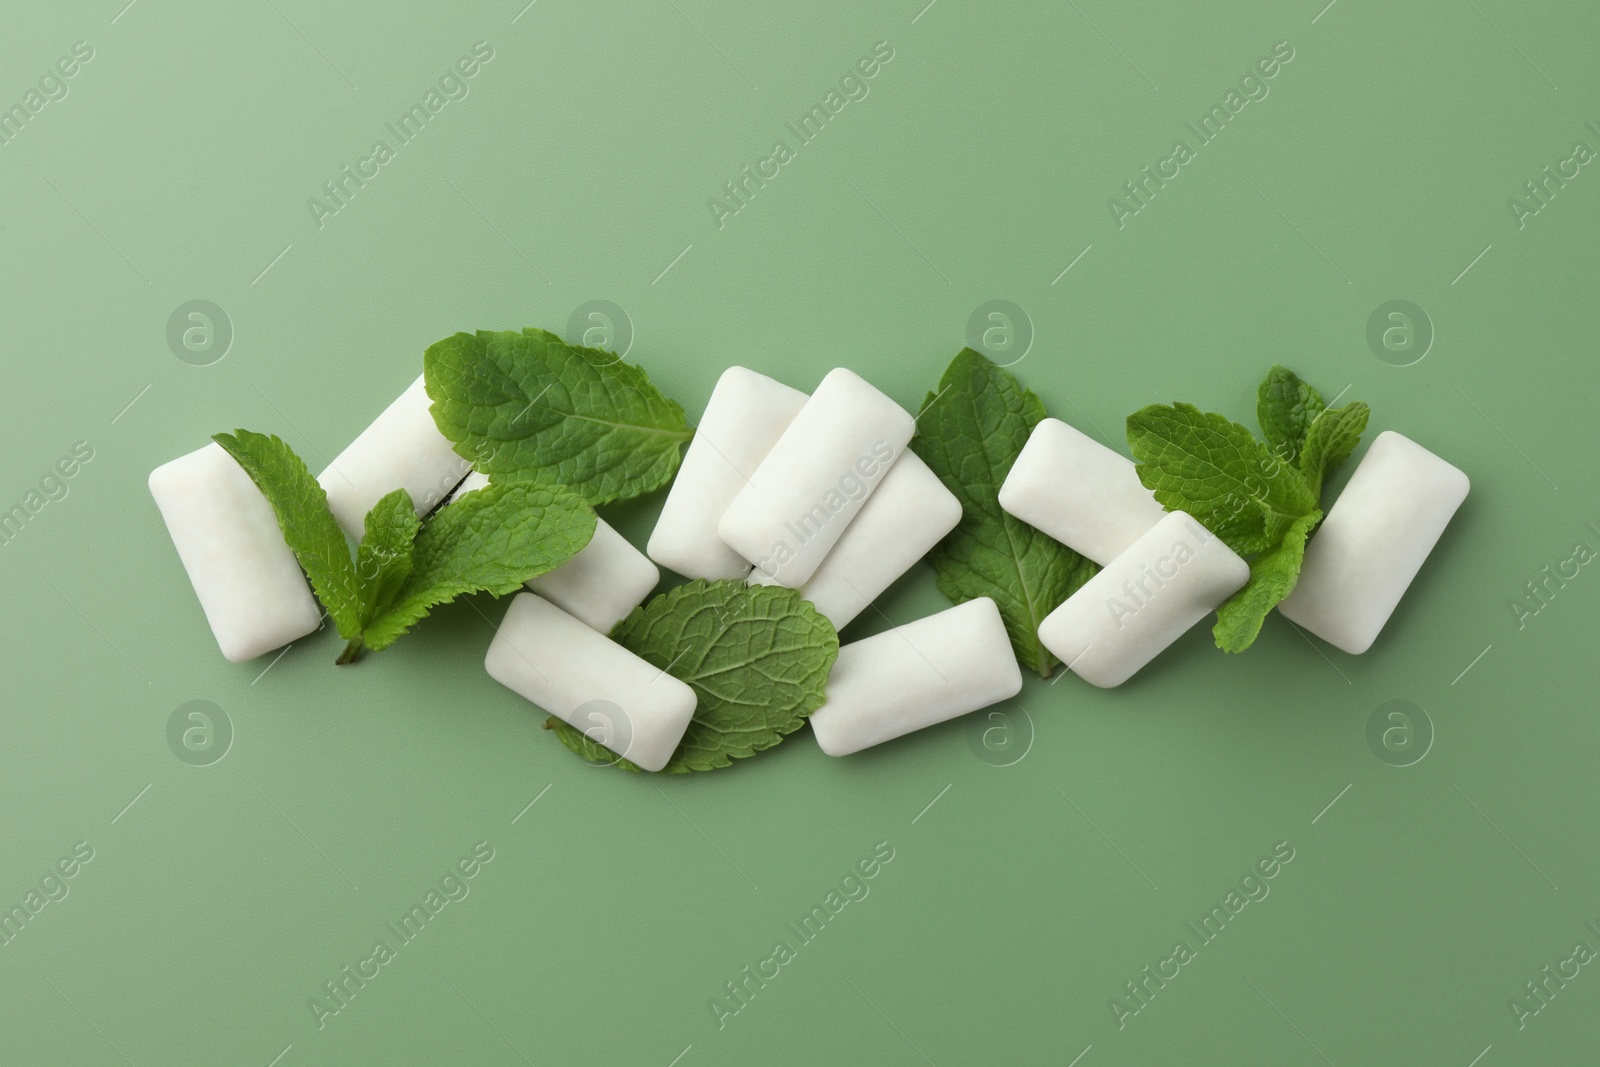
x=557, y=427
x=1262, y=498
x=970, y=432
x=529, y=408
x=490, y=541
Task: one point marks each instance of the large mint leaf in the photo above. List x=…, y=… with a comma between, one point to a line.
x=757, y=658
x=308, y=525
x=1285, y=406
x=1215, y=469
x=970, y=433
x=491, y=540
x=530, y=407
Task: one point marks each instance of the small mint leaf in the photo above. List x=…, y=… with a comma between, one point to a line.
x=1333, y=436
x=308, y=525
x=1285, y=406
x=383, y=560
x=1273, y=575
x=491, y=540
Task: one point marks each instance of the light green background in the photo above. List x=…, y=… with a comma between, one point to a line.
x=979, y=167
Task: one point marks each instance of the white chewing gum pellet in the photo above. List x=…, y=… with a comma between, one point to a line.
x=606, y=580
x=1142, y=601
x=249, y=584
x=1078, y=491
x=909, y=513
x=745, y=416
x=402, y=449
x=586, y=679
x=916, y=675
x=599, y=586
x=805, y=492
x=1362, y=558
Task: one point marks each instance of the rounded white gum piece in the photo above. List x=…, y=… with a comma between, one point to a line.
x=585, y=679
x=820, y=472
x=402, y=449
x=909, y=513
x=913, y=676
x=1076, y=490
x=605, y=581
x=1363, y=557
x=1143, y=600
x=745, y=416
x=599, y=586
x=250, y=586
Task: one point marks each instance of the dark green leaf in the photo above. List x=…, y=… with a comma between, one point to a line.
x=970, y=433
x=757, y=658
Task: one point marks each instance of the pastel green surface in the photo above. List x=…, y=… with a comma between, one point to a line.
x=1020, y=900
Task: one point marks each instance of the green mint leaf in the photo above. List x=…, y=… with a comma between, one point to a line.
x=1285, y=406
x=308, y=525
x=383, y=560
x=1216, y=470
x=589, y=749
x=970, y=433
x=1333, y=436
x=530, y=407
x=757, y=658
x=1272, y=577
x=490, y=541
